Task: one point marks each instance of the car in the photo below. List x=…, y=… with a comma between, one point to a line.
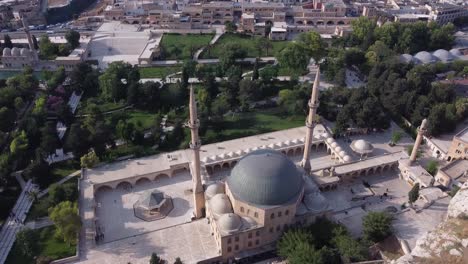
x=50, y=32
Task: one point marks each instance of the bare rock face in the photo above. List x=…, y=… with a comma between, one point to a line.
x=458, y=207
x=449, y=239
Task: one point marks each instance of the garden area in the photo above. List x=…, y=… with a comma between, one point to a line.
x=47, y=247
x=248, y=43
x=157, y=72
x=237, y=125
x=180, y=47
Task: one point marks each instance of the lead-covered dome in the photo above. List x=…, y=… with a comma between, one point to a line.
x=6, y=52
x=229, y=223
x=15, y=51
x=444, y=55
x=425, y=57
x=265, y=177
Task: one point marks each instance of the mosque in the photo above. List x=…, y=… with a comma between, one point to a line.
x=243, y=213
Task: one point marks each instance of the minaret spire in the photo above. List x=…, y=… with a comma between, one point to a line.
x=30, y=41
x=310, y=122
x=421, y=132
x=193, y=124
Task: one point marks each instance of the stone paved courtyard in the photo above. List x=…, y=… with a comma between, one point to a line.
x=191, y=242
x=115, y=207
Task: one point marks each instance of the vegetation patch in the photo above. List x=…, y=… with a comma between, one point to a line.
x=157, y=72
x=181, y=47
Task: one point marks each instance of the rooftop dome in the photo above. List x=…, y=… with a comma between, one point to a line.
x=425, y=57
x=361, y=146
x=24, y=52
x=444, y=55
x=229, y=223
x=334, y=144
x=330, y=140
x=220, y=204
x=6, y=52
x=15, y=51
x=265, y=177
x=455, y=52
x=214, y=189
x=347, y=158
x=406, y=58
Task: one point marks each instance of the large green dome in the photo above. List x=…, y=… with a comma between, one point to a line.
x=265, y=177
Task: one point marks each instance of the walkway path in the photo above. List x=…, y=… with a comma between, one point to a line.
x=219, y=33
x=210, y=61
x=14, y=223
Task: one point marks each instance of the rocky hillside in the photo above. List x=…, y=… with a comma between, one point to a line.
x=448, y=243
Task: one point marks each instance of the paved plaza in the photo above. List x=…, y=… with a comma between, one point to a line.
x=191, y=242
x=116, y=219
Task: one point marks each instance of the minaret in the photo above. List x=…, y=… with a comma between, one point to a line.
x=30, y=41
x=310, y=122
x=193, y=124
x=421, y=132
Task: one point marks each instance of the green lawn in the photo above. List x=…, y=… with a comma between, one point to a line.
x=145, y=119
x=246, y=42
x=157, y=72
x=103, y=105
x=181, y=47
x=251, y=123
x=65, y=168
x=47, y=246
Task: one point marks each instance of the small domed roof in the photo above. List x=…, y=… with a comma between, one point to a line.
x=229, y=223
x=6, y=52
x=338, y=149
x=425, y=57
x=406, y=58
x=347, y=158
x=265, y=177
x=334, y=144
x=456, y=52
x=342, y=153
x=361, y=146
x=15, y=51
x=220, y=204
x=443, y=55
x=315, y=202
x=24, y=52
x=214, y=189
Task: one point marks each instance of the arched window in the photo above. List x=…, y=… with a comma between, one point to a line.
x=272, y=216
x=287, y=212
x=242, y=209
x=229, y=249
x=257, y=233
x=279, y=214
x=256, y=215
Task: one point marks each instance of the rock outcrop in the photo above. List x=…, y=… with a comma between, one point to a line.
x=449, y=241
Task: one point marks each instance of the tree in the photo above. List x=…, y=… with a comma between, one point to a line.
x=49, y=139
x=413, y=194
x=350, y=248
x=230, y=27
x=178, y=261
x=89, y=160
x=78, y=140
x=255, y=73
x=19, y=103
x=377, y=226
x=297, y=245
x=34, y=39
x=432, y=167
x=248, y=93
x=396, y=137
x=155, y=259
x=363, y=31
x=65, y=114
x=47, y=49
x=7, y=41
x=125, y=130
x=232, y=51
x=66, y=219
x=39, y=172
x=85, y=78
x=314, y=44
x=263, y=44
x=294, y=57
x=19, y=144
x=7, y=118
x=115, y=80
x=26, y=240
x=73, y=38
x=62, y=192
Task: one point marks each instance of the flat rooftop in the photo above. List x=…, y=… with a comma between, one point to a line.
x=456, y=168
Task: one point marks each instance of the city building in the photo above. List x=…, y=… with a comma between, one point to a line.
x=453, y=174
x=459, y=147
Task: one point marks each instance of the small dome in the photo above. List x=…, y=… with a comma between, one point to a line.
x=220, y=204
x=214, y=189
x=406, y=58
x=444, y=55
x=15, y=51
x=24, y=52
x=361, y=146
x=347, y=158
x=6, y=52
x=330, y=140
x=265, y=177
x=338, y=149
x=249, y=222
x=315, y=202
x=325, y=135
x=334, y=145
x=456, y=52
x=425, y=57
x=229, y=223
x=342, y=153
